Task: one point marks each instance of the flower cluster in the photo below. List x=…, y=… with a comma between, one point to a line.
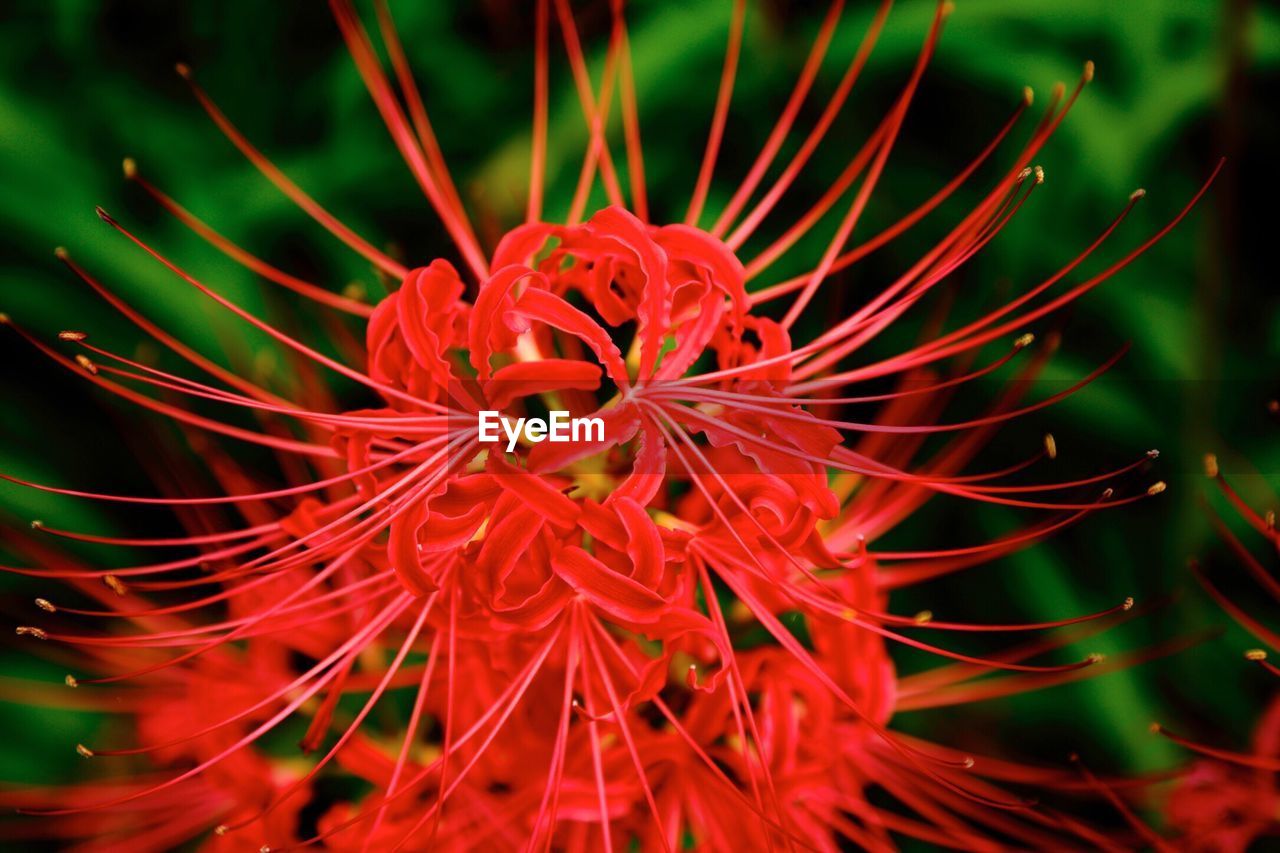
x=673, y=633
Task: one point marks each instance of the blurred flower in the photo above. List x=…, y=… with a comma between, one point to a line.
x=1228, y=800
x=673, y=632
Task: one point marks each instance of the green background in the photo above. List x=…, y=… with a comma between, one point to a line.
x=1178, y=84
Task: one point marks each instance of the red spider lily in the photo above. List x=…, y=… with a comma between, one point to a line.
x=1228, y=800
x=567, y=620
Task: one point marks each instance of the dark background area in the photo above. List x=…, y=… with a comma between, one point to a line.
x=1178, y=85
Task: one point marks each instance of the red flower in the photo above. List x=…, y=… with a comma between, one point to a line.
x=1228, y=800
x=569, y=621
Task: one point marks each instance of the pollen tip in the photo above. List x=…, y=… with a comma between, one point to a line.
x=183, y=69
x=87, y=363
x=61, y=253
x=46, y=605
x=264, y=849
x=36, y=524
x=1107, y=493
x=1028, y=95
x=103, y=215
x=85, y=752
x=1153, y=453
x=1137, y=194
x=70, y=335
x=1024, y=340
x=1256, y=654
x=1127, y=604
x=1211, y=465
x=968, y=762
x=129, y=166
x=1155, y=728
x=1050, y=445
x=1089, y=68
x=1024, y=174
x=924, y=617
x=1096, y=657
x=28, y=631
x=1039, y=170
x=116, y=585
x=70, y=681
x=221, y=829
x=1157, y=487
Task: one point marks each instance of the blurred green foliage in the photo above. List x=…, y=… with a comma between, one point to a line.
x=1178, y=84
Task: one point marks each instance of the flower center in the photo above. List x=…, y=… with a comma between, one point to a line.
x=575, y=414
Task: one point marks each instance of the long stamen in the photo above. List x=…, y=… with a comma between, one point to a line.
x=723, y=98
x=178, y=414
x=309, y=205
x=538, y=155
x=219, y=757
x=784, y=243
x=595, y=112
x=243, y=257
x=801, y=157
x=873, y=176
x=1258, y=762
x=266, y=327
x=631, y=120
x=783, y=125
x=418, y=113
x=375, y=80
